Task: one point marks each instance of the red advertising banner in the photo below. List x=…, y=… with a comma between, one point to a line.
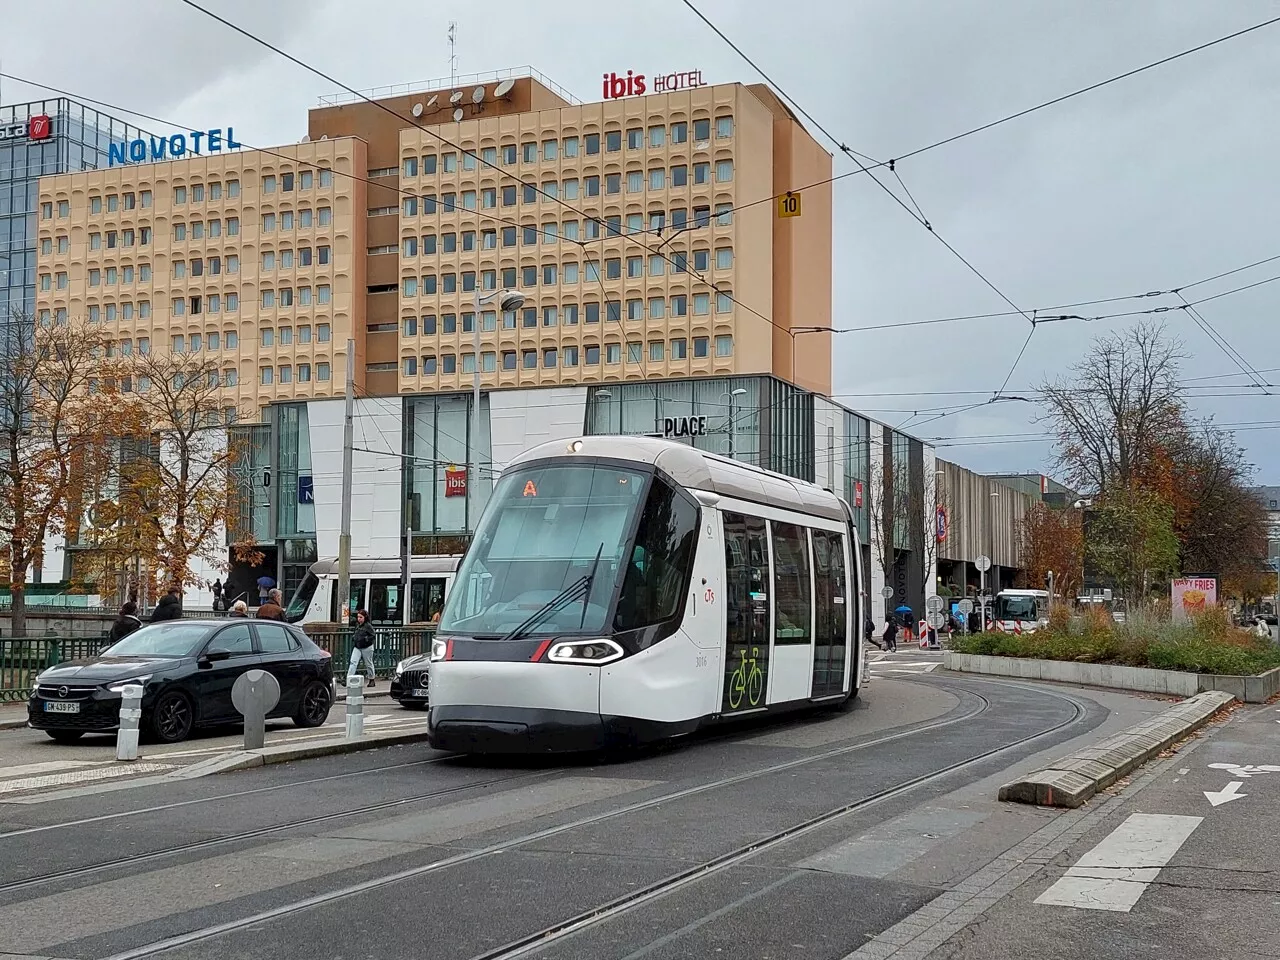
x=455, y=481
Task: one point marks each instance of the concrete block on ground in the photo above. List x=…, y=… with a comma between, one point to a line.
x=1071, y=781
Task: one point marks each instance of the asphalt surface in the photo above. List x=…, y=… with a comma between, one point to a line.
x=406, y=853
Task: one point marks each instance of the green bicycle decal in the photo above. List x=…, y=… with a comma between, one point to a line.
x=748, y=679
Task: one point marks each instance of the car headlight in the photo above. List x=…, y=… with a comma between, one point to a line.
x=119, y=685
x=590, y=652
x=400, y=666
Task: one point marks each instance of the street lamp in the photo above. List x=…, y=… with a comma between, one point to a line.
x=506, y=300
x=739, y=392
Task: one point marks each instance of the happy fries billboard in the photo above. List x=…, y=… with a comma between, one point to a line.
x=1192, y=595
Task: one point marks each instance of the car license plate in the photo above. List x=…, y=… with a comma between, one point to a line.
x=58, y=707
x=420, y=692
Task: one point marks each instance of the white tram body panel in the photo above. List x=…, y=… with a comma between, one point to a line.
x=716, y=590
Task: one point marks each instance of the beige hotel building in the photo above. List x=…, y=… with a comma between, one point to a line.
x=614, y=219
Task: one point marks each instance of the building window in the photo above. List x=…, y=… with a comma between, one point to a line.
x=549, y=357
x=724, y=345
x=635, y=309
x=656, y=349
x=699, y=347
x=612, y=183
x=701, y=304
x=613, y=353
x=410, y=166
x=635, y=139
x=529, y=359
x=593, y=356
x=549, y=149
x=570, y=146
x=266, y=375
x=635, y=352
x=613, y=141
x=322, y=371
x=724, y=171
x=658, y=179
x=657, y=308
x=678, y=349
x=593, y=144
x=724, y=214
x=724, y=128
x=724, y=302
x=489, y=198
x=679, y=305
x=592, y=186
x=410, y=366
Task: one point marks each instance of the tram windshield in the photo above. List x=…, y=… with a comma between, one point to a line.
x=550, y=526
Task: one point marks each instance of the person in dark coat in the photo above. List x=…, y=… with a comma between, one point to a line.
x=126, y=623
x=239, y=609
x=169, y=607
x=362, y=642
x=890, y=635
x=272, y=610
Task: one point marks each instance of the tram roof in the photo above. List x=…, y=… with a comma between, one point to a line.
x=699, y=470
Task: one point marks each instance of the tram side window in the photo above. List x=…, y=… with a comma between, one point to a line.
x=302, y=597
x=654, y=585
x=384, y=601
x=793, y=607
x=359, y=589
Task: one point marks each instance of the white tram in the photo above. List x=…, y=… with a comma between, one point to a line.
x=622, y=590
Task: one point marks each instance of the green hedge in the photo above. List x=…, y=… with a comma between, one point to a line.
x=1208, y=644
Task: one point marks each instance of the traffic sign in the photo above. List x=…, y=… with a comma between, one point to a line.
x=933, y=604
x=936, y=619
x=789, y=205
x=983, y=563
x=886, y=592
x=965, y=607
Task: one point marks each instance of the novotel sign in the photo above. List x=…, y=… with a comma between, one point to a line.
x=174, y=147
x=636, y=84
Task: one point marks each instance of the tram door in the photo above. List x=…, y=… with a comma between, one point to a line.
x=746, y=661
x=830, y=613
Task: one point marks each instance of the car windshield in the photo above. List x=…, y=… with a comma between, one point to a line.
x=161, y=640
x=542, y=531
x=1015, y=608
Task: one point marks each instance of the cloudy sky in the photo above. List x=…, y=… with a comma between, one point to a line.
x=1150, y=183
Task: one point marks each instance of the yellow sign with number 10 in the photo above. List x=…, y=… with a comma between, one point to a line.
x=789, y=205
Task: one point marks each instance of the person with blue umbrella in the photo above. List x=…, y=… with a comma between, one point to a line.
x=265, y=586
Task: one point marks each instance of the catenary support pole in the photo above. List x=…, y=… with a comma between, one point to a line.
x=344, y=536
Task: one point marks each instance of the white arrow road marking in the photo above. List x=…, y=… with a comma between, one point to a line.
x=1246, y=770
x=1115, y=873
x=1226, y=794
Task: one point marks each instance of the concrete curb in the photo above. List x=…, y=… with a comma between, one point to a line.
x=1073, y=780
x=13, y=723
x=1255, y=689
x=286, y=752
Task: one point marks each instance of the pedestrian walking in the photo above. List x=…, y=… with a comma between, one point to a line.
x=869, y=631
x=169, y=607
x=362, y=648
x=219, y=602
x=272, y=609
x=890, y=635
x=126, y=623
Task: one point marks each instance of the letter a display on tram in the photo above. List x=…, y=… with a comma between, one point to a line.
x=529, y=489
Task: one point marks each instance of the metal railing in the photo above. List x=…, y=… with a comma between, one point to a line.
x=22, y=660
x=393, y=645
x=448, y=83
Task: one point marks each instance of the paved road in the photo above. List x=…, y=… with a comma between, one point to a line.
x=30, y=761
x=406, y=853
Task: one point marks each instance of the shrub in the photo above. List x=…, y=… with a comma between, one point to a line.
x=1209, y=643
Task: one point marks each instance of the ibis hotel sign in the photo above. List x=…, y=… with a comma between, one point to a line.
x=637, y=84
x=175, y=147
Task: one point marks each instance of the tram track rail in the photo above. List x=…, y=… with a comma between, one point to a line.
x=120, y=863
x=568, y=927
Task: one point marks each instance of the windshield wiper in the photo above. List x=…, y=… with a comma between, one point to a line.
x=565, y=596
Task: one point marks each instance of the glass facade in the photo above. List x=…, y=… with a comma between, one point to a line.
x=857, y=471
x=79, y=139
x=437, y=441
x=252, y=469
x=295, y=513
x=759, y=420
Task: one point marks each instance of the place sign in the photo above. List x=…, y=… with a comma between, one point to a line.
x=684, y=427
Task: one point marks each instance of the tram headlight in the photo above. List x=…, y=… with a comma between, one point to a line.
x=439, y=650
x=591, y=652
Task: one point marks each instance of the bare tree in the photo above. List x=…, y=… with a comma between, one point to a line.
x=1117, y=408
x=55, y=409
x=888, y=507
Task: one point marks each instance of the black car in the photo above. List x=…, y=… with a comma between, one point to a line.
x=409, y=682
x=186, y=669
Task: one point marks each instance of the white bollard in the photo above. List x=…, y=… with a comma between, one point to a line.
x=130, y=718
x=355, y=707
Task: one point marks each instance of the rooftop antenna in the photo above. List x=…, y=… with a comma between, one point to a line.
x=453, y=54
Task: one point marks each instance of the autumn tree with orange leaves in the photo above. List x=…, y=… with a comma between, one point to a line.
x=57, y=413
x=1048, y=540
x=1126, y=438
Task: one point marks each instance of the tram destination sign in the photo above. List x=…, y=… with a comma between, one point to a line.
x=684, y=426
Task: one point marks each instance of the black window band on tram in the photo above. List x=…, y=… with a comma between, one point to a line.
x=575, y=548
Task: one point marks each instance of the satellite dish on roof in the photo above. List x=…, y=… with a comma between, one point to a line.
x=324, y=137
x=456, y=97
x=305, y=139
x=432, y=101
x=504, y=88
x=477, y=95
x=457, y=114
x=417, y=109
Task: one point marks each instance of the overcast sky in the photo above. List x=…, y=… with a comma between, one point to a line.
x=1150, y=183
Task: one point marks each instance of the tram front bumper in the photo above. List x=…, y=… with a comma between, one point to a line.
x=502, y=707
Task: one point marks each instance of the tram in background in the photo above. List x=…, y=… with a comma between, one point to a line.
x=377, y=586
x=621, y=590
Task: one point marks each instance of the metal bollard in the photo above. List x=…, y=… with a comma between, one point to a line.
x=130, y=718
x=355, y=707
